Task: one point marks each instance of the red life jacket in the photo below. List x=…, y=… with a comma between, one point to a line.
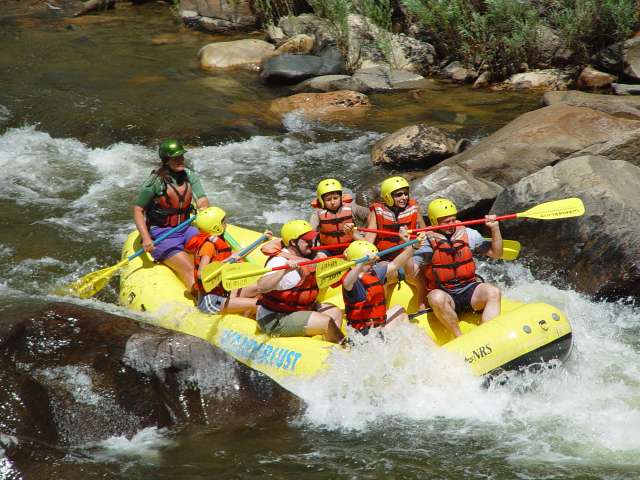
x=171, y=207
x=222, y=252
x=331, y=223
x=386, y=219
x=452, y=264
x=301, y=297
x=370, y=312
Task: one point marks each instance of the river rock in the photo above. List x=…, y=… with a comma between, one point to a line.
x=551, y=49
x=601, y=250
x=419, y=146
x=325, y=83
x=247, y=53
x=550, y=79
x=537, y=139
x=288, y=69
x=628, y=107
x=219, y=15
x=298, y=44
x=483, y=80
x=383, y=79
x=623, y=89
x=318, y=28
x=621, y=58
x=322, y=104
x=591, y=79
x=473, y=196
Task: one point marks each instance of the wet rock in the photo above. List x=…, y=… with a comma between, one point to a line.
x=537, y=139
x=322, y=104
x=473, y=196
x=591, y=79
x=382, y=79
x=621, y=59
x=623, y=89
x=625, y=107
x=325, y=83
x=247, y=53
x=219, y=15
x=448, y=70
x=298, y=44
x=288, y=69
x=599, y=251
x=550, y=79
x=419, y=146
x=483, y=80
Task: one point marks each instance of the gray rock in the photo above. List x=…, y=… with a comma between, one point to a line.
x=311, y=25
x=626, y=107
x=414, y=146
x=381, y=79
x=324, y=83
x=288, y=69
x=623, y=89
x=472, y=196
x=625, y=146
x=600, y=251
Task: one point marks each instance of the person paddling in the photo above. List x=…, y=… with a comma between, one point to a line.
x=210, y=246
x=363, y=289
x=397, y=210
x=164, y=201
x=287, y=306
x=334, y=216
x=450, y=269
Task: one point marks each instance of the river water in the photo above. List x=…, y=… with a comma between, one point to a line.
x=81, y=109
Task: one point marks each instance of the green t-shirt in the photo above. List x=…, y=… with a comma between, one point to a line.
x=154, y=187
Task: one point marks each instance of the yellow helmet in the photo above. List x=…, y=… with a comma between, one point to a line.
x=359, y=249
x=389, y=186
x=211, y=220
x=327, y=185
x=295, y=229
x=440, y=207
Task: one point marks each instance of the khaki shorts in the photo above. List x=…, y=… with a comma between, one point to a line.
x=286, y=324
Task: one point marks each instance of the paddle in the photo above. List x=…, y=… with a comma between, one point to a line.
x=554, y=210
x=93, y=282
x=239, y=275
x=330, y=272
x=212, y=273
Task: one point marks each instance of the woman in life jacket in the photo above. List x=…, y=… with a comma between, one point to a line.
x=450, y=268
x=395, y=211
x=363, y=289
x=287, y=306
x=209, y=246
x=164, y=201
x=334, y=216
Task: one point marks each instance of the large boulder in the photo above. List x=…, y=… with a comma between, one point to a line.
x=247, y=53
x=322, y=104
x=550, y=79
x=625, y=107
x=592, y=79
x=600, y=252
x=416, y=146
x=219, y=15
x=384, y=79
x=537, y=139
x=473, y=196
x=621, y=59
x=289, y=69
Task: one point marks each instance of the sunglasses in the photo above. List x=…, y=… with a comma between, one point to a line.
x=400, y=193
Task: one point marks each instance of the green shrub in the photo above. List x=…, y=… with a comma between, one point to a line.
x=587, y=26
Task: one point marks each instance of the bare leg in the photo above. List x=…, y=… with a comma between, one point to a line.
x=334, y=312
x=182, y=265
x=249, y=292
x=486, y=297
x=444, y=310
x=321, y=324
x=245, y=306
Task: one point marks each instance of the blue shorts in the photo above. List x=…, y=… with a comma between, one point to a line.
x=171, y=245
x=212, y=303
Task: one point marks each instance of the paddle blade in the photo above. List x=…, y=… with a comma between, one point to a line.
x=89, y=285
x=240, y=275
x=212, y=275
x=330, y=271
x=555, y=210
x=510, y=249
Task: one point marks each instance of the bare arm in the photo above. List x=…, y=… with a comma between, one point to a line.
x=202, y=203
x=421, y=223
x=141, y=225
x=406, y=254
x=369, y=236
x=353, y=275
x=271, y=281
x=495, y=251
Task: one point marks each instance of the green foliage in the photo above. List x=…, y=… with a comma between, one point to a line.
x=270, y=11
x=337, y=12
x=587, y=26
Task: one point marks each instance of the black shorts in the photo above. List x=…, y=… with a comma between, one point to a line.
x=462, y=300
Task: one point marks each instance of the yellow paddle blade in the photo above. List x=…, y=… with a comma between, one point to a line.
x=330, y=271
x=239, y=275
x=566, y=208
x=212, y=275
x=91, y=283
x=510, y=249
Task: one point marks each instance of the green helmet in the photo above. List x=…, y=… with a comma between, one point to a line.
x=171, y=148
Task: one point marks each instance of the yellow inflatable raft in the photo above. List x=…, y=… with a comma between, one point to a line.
x=522, y=335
